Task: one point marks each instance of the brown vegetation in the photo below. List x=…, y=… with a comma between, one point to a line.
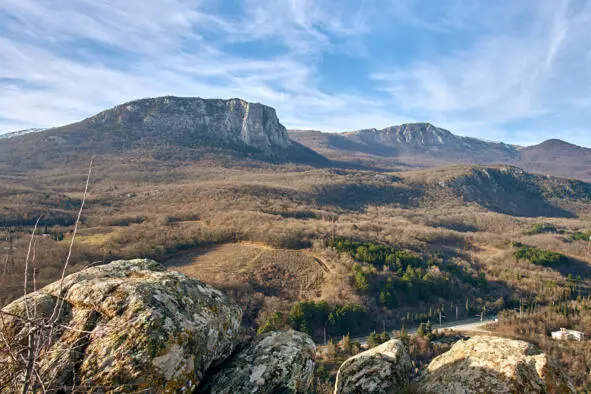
x=263, y=233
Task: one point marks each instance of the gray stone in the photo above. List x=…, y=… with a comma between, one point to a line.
x=487, y=364
x=131, y=326
x=276, y=362
x=382, y=369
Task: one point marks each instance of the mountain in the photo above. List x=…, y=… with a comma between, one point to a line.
x=556, y=157
x=416, y=143
x=425, y=145
x=166, y=128
x=501, y=188
x=18, y=133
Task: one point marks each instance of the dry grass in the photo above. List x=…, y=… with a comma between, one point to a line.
x=197, y=218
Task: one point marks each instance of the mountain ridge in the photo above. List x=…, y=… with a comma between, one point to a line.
x=190, y=128
x=425, y=145
x=167, y=126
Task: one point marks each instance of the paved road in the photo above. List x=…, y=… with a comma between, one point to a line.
x=465, y=325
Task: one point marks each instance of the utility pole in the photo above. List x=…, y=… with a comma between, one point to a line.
x=324, y=336
x=439, y=318
x=457, y=313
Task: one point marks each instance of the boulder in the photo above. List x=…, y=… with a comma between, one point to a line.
x=382, y=369
x=487, y=364
x=129, y=326
x=276, y=362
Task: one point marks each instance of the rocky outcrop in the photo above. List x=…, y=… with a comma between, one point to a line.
x=129, y=326
x=192, y=121
x=277, y=362
x=494, y=365
x=382, y=369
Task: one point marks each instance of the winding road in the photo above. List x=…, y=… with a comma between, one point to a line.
x=473, y=325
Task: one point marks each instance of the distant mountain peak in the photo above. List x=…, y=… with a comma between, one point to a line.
x=168, y=128
x=555, y=142
x=189, y=120
x=419, y=135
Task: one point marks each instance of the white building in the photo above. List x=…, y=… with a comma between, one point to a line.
x=568, y=335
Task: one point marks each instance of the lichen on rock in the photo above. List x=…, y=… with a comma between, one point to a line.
x=132, y=325
x=382, y=369
x=488, y=364
x=276, y=362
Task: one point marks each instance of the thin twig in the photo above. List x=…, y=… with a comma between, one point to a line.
x=58, y=306
x=27, y=267
x=34, y=264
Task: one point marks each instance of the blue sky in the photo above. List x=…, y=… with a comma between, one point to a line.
x=512, y=71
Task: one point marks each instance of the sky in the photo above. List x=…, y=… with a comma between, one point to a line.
x=505, y=70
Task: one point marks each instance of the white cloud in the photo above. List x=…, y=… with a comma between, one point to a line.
x=59, y=88
x=504, y=77
x=67, y=59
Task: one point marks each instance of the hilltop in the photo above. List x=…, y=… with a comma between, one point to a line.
x=164, y=129
x=425, y=145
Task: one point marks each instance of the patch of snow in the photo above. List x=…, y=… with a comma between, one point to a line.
x=19, y=133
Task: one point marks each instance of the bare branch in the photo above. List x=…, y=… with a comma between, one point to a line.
x=58, y=306
x=27, y=267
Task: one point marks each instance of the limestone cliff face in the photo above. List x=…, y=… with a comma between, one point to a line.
x=192, y=121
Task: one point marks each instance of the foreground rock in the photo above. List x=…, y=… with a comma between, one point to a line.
x=486, y=364
x=277, y=362
x=382, y=369
x=132, y=326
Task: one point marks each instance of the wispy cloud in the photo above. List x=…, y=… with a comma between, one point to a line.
x=488, y=70
x=509, y=75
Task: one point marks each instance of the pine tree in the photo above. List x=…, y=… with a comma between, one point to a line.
x=346, y=344
x=372, y=341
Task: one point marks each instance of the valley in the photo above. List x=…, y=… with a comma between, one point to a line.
x=330, y=243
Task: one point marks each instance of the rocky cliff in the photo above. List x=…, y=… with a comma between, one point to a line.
x=425, y=145
x=165, y=129
x=412, y=142
x=191, y=121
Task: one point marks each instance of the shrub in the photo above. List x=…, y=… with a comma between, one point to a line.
x=541, y=228
x=580, y=235
x=378, y=255
x=540, y=256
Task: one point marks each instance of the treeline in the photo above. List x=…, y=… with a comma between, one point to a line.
x=397, y=277
x=318, y=318
x=379, y=255
x=539, y=256
x=542, y=228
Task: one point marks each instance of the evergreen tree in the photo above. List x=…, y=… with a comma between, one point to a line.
x=372, y=341
x=346, y=344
